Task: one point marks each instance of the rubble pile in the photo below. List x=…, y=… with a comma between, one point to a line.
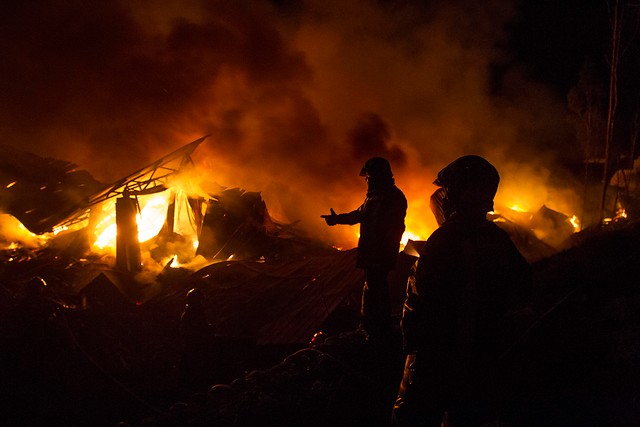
x=576, y=365
x=86, y=344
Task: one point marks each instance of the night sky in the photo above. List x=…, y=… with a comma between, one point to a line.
x=296, y=95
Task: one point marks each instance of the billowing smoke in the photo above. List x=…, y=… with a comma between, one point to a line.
x=294, y=95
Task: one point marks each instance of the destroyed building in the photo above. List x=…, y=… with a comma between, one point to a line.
x=108, y=346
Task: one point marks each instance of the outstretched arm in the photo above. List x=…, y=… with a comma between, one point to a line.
x=346, y=218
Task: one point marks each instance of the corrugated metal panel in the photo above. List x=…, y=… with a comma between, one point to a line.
x=278, y=303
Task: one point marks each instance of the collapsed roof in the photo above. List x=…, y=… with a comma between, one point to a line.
x=42, y=192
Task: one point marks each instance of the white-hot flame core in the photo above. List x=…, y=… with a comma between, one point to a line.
x=575, y=222
x=150, y=219
x=152, y=216
x=107, y=237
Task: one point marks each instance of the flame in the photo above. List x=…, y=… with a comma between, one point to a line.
x=174, y=261
x=11, y=184
x=517, y=208
x=150, y=220
x=107, y=238
x=13, y=234
x=408, y=235
x=152, y=217
x=58, y=230
x=575, y=222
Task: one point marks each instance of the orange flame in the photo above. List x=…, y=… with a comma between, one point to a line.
x=150, y=219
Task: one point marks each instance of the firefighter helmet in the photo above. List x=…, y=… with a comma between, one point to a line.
x=376, y=166
x=470, y=177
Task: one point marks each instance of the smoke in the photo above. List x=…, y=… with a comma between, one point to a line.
x=294, y=95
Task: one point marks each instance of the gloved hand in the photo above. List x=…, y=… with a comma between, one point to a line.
x=330, y=219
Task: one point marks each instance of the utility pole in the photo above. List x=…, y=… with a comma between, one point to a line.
x=613, y=100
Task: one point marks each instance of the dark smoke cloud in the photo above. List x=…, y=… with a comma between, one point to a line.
x=371, y=136
x=294, y=95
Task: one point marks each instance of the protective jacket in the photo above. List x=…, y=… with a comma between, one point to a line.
x=463, y=302
x=381, y=219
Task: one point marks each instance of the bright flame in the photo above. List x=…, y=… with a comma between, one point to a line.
x=152, y=217
x=174, y=262
x=408, y=235
x=621, y=213
x=11, y=184
x=517, y=208
x=107, y=237
x=13, y=234
x=150, y=220
x=575, y=222
x=58, y=230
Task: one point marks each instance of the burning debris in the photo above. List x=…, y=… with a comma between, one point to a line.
x=154, y=214
x=113, y=306
x=537, y=235
x=626, y=183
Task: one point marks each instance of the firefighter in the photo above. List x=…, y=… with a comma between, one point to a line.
x=463, y=305
x=381, y=219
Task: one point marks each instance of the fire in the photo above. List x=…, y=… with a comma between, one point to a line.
x=13, y=234
x=107, y=238
x=408, y=235
x=152, y=217
x=150, y=220
x=575, y=222
x=174, y=261
x=58, y=230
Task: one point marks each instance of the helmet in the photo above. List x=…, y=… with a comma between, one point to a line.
x=376, y=166
x=471, y=178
